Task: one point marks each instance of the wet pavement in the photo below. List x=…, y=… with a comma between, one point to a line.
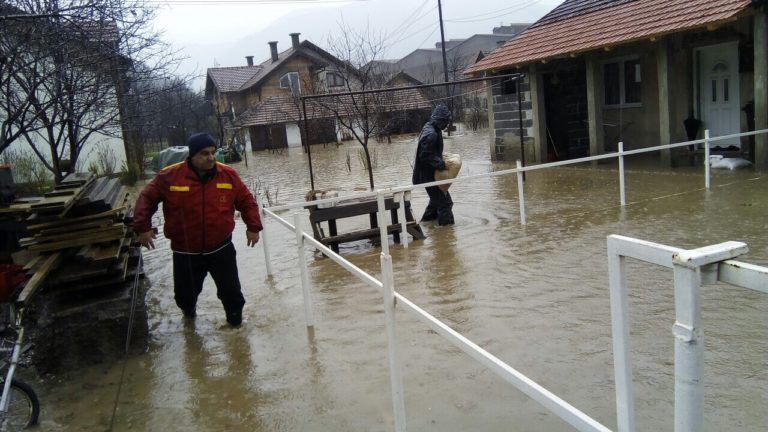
x=536, y=296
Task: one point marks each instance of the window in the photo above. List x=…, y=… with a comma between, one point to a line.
x=509, y=86
x=623, y=83
x=334, y=80
x=291, y=81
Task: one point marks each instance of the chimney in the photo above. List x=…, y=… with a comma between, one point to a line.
x=273, y=49
x=249, y=59
x=295, y=40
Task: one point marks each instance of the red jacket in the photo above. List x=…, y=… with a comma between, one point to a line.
x=198, y=216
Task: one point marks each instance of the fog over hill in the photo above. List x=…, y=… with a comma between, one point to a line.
x=405, y=25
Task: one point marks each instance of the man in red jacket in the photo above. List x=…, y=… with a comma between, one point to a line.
x=199, y=199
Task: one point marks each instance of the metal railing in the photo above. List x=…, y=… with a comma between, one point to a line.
x=690, y=263
x=552, y=402
x=692, y=269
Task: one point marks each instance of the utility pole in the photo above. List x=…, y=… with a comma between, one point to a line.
x=442, y=39
x=445, y=64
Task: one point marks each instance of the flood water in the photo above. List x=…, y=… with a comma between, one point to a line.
x=535, y=296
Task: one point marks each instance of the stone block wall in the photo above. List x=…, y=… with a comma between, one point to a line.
x=506, y=123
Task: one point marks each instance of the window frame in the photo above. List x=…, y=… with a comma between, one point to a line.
x=290, y=87
x=621, y=61
x=337, y=78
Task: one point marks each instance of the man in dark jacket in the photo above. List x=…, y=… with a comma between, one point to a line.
x=429, y=157
x=199, y=199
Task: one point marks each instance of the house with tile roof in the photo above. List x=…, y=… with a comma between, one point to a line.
x=259, y=102
x=641, y=72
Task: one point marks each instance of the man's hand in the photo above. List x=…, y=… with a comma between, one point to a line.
x=253, y=238
x=146, y=239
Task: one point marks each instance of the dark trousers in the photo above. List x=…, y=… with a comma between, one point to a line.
x=189, y=271
x=440, y=206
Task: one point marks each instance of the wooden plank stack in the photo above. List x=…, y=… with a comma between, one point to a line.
x=84, y=220
x=83, y=259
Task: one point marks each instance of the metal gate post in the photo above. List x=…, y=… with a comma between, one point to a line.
x=622, y=357
x=689, y=337
x=395, y=376
x=520, y=195
x=263, y=235
x=400, y=198
x=308, y=314
x=622, y=193
x=706, y=159
x=382, y=218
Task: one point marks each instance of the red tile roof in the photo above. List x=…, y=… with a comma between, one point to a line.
x=285, y=109
x=230, y=79
x=582, y=25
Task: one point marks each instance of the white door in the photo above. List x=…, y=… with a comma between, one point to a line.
x=719, y=106
x=293, y=134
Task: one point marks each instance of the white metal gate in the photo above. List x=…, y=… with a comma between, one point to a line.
x=692, y=269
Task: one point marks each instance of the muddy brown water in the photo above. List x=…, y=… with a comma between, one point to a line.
x=536, y=296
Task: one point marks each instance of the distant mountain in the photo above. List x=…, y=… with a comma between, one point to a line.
x=317, y=23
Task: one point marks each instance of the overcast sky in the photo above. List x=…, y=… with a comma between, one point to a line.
x=221, y=33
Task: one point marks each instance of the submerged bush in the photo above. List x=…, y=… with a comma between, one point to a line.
x=131, y=173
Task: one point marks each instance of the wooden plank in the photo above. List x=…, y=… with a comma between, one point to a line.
x=79, y=227
x=50, y=202
x=74, y=234
x=33, y=263
x=77, y=196
x=33, y=284
x=59, y=193
x=360, y=235
x=70, y=221
x=76, y=178
x=81, y=273
x=359, y=208
x=110, y=252
x=105, y=237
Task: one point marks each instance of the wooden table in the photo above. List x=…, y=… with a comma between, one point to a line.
x=355, y=208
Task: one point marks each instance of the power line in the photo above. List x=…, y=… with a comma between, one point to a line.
x=495, y=14
x=243, y=2
x=408, y=22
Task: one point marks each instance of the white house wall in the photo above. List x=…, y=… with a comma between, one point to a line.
x=88, y=154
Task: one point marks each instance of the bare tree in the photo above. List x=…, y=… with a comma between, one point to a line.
x=20, y=43
x=81, y=74
x=361, y=113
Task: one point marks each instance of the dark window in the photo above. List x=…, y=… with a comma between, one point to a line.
x=714, y=90
x=725, y=90
x=632, y=81
x=612, y=79
x=334, y=80
x=623, y=82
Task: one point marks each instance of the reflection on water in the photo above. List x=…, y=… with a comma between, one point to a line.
x=535, y=296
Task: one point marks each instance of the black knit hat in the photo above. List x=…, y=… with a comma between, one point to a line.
x=199, y=141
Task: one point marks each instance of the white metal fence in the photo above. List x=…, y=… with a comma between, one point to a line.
x=691, y=269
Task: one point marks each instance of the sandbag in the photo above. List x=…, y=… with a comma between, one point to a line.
x=453, y=166
x=720, y=162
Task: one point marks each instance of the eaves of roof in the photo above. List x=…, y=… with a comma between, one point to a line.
x=626, y=22
x=285, y=109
